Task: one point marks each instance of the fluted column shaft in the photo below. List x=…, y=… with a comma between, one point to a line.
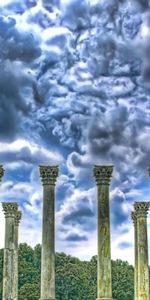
x=141, y=209
x=10, y=210
x=15, y=256
x=48, y=177
x=104, y=281
x=134, y=218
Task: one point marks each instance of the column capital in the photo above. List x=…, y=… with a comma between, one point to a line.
x=103, y=174
x=10, y=209
x=18, y=217
x=141, y=209
x=1, y=172
x=49, y=174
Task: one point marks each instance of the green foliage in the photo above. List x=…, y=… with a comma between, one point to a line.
x=30, y=291
x=122, y=280
x=75, y=279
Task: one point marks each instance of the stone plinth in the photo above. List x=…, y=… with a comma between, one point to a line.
x=141, y=210
x=103, y=176
x=10, y=210
x=48, y=177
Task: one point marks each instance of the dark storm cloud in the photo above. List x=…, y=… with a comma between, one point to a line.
x=73, y=237
x=107, y=9
x=15, y=43
x=50, y=5
x=80, y=213
x=75, y=14
x=18, y=47
x=16, y=6
x=64, y=190
x=124, y=245
x=141, y=4
x=15, y=98
x=119, y=215
x=108, y=130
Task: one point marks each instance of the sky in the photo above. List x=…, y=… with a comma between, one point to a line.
x=74, y=92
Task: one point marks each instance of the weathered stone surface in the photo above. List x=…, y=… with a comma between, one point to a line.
x=49, y=174
x=48, y=177
x=10, y=210
x=15, y=256
x=134, y=218
x=103, y=175
x=141, y=209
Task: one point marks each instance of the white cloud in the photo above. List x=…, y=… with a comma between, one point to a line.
x=29, y=152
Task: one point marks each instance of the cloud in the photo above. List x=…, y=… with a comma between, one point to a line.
x=120, y=208
x=28, y=152
x=142, y=5
x=16, y=43
x=77, y=209
x=118, y=239
x=75, y=14
x=124, y=245
x=76, y=238
x=14, y=102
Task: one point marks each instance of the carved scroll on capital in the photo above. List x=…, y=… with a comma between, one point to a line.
x=18, y=217
x=1, y=172
x=10, y=209
x=103, y=174
x=134, y=217
x=49, y=174
x=141, y=208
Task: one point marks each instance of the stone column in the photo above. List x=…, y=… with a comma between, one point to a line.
x=10, y=210
x=103, y=175
x=141, y=209
x=48, y=175
x=15, y=257
x=134, y=218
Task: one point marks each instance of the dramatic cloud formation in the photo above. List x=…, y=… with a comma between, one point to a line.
x=74, y=91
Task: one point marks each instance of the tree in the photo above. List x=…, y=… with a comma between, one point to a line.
x=122, y=280
x=75, y=279
x=29, y=291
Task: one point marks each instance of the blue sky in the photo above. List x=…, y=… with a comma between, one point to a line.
x=74, y=91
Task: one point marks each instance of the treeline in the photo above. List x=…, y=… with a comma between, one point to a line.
x=75, y=279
